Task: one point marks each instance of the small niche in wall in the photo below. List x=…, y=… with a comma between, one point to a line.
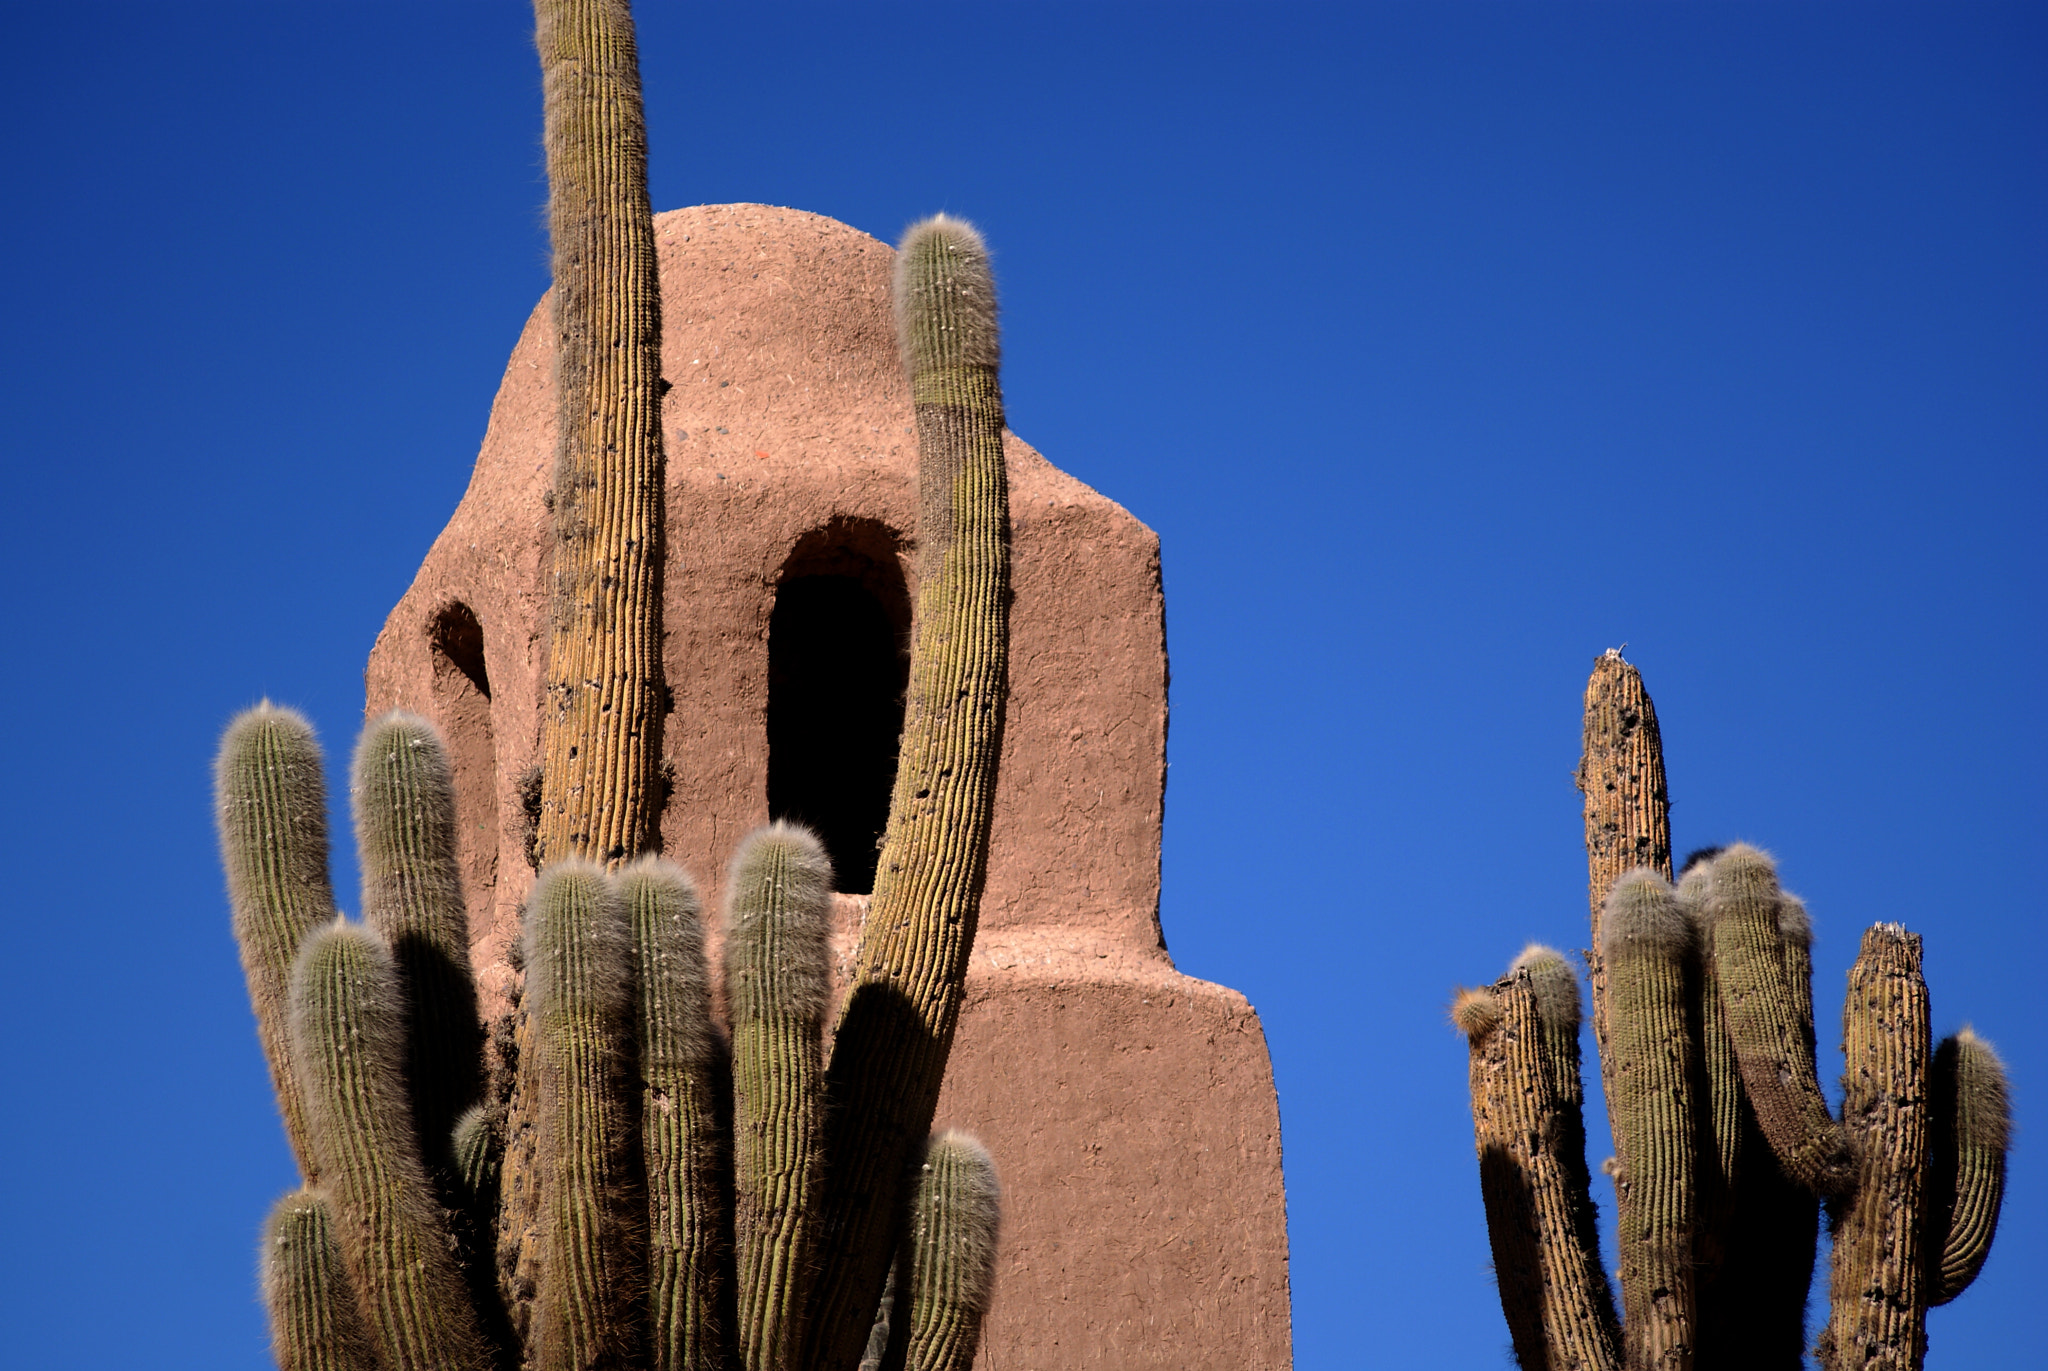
x=462, y=711
x=838, y=666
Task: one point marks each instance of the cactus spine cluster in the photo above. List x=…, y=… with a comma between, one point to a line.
x=1725, y=1146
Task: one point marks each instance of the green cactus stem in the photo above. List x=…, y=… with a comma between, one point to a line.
x=1762, y=1010
x=591, y=1273
x=1648, y=948
x=1559, y=1308
x=270, y=803
x=348, y=1039
x=684, y=1122
x=314, y=1325
x=954, y=1219
x=403, y=792
x=777, y=978
x=1877, y=1315
x=1970, y=1116
x=894, y=1034
x=599, y=789
x=601, y=727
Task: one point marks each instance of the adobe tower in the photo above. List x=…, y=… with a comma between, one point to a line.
x=1129, y=1108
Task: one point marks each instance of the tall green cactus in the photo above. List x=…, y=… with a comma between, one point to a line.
x=633, y=1187
x=1725, y=1145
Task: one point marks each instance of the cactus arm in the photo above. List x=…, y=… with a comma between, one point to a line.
x=601, y=726
x=1760, y=1233
x=1573, y=1266
x=592, y=1268
x=314, y=1325
x=1553, y=1292
x=1971, y=1122
x=348, y=1037
x=954, y=1218
x=893, y=1036
x=403, y=793
x=1762, y=1009
x=1648, y=949
x=777, y=958
x=1877, y=1315
x=270, y=803
x=683, y=1131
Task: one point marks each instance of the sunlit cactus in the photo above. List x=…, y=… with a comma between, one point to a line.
x=1725, y=1145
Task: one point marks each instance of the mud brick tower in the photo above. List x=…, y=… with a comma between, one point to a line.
x=1129, y=1108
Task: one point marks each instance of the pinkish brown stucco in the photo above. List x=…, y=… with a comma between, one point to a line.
x=1130, y=1108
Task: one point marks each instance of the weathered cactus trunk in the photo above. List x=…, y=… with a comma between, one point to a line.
x=1627, y=809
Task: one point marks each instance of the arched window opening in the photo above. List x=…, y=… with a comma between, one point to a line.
x=462, y=711
x=837, y=670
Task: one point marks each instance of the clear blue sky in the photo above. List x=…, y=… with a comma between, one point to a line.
x=1444, y=346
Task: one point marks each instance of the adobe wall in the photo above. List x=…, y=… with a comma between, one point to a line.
x=1130, y=1108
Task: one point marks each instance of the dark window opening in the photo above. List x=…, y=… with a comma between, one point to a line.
x=837, y=671
x=462, y=710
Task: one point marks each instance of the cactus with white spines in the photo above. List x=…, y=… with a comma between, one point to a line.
x=1725, y=1145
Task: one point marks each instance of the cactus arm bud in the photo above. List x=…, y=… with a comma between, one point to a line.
x=1648, y=948
x=777, y=977
x=587, y=1309
x=1877, y=1314
x=894, y=1034
x=683, y=1123
x=1971, y=1119
x=314, y=1325
x=954, y=1218
x=403, y=793
x=348, y=1037
x=270, y=803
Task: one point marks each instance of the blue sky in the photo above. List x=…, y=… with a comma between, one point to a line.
x=1444, y=345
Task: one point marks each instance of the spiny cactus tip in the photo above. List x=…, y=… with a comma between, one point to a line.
x=945, y=297
x=1794, y=925
x=1555, y=983
x=1983, y=1100
x=1475, y=1011
x=1643, y=911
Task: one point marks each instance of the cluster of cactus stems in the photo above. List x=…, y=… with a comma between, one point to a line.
x=1726, y=1152
x=680, y=1166
x=622, y=1181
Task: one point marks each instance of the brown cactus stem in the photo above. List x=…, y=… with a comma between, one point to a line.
x=1553, y=1291
x=896, y=1029
x=1878, y=1315
x=1627, y=807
